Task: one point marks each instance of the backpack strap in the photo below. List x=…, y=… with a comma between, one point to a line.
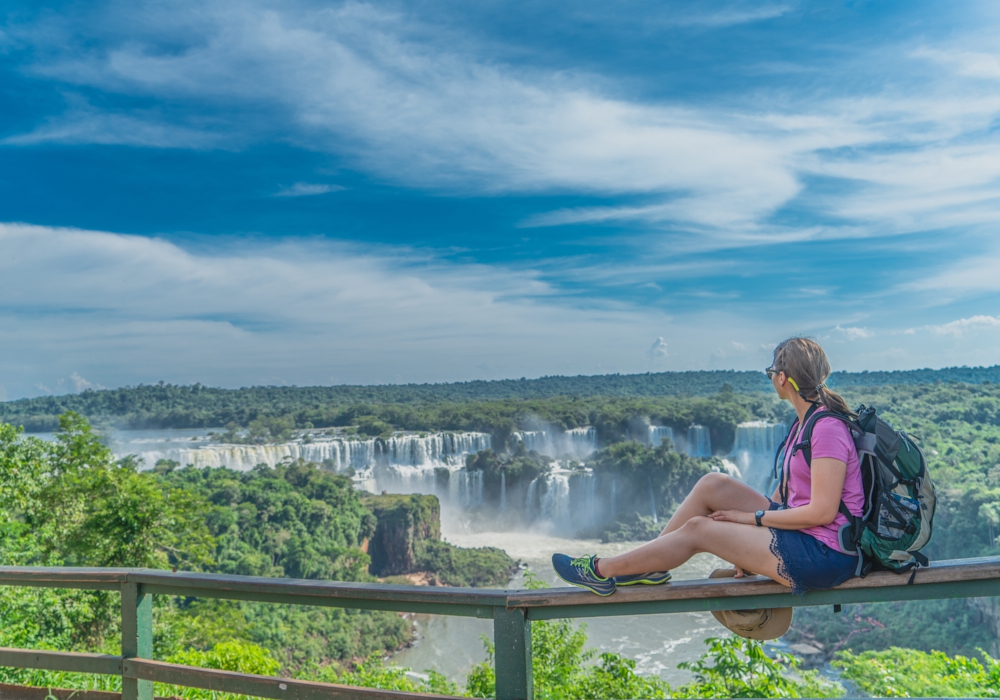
x=804, y=445
x=785, y=459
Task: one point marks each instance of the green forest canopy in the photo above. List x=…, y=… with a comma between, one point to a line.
x=195, y=406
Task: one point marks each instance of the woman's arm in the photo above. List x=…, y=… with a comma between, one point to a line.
x=824, y=501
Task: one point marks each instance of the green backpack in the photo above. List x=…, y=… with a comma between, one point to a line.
x=899, y=494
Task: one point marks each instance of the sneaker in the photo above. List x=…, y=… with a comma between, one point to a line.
x=580, y=572
x=653, y=579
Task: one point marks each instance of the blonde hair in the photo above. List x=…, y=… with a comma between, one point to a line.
x=807, y=369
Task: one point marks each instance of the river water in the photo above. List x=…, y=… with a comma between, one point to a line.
x=452, y=645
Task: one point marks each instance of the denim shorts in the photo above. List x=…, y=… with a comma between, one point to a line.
x=809, y=564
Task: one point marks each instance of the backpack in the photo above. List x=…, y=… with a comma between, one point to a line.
x=899, y=496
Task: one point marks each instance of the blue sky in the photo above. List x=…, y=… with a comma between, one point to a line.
x=246, y=192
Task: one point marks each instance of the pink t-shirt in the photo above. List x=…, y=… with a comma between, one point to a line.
x=830, y=438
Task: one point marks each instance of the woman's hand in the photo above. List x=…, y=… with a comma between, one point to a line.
x=733, y=516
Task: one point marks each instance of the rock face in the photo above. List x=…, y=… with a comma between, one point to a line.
x=404, y=523
x=990, y=609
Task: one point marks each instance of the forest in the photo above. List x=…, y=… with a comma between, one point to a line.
x=196, y=406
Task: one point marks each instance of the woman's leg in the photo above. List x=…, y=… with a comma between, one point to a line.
x=714, y=492
x=745, y=546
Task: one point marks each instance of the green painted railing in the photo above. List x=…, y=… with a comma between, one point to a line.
x=511, y=611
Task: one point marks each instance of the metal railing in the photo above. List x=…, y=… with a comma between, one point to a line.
x=512, y=612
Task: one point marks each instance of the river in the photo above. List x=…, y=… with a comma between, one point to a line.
x=452, y=645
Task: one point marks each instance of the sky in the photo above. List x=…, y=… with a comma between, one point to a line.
x=241, y=193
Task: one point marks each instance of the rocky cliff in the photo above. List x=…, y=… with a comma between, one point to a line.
x=407, y=540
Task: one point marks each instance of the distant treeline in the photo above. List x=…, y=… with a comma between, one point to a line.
x=166, y=405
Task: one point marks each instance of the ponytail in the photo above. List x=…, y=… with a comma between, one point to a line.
x=807, y=369
x=833, y=401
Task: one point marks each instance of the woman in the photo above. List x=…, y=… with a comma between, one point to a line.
x=793, y=540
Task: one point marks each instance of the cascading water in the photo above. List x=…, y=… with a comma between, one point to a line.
x=699, y=441
x=652, y=499
x=401, y=463
x=503, y=490
x=466, y=488
x=753, y=451
x=563, y=501
x=614, y=497
x=658, y=432
x=576, y=443
x=554, y=505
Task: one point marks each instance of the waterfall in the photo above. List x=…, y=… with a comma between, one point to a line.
x=468, y=491
x=531, y=500
x=729, y=467
x=575, y=443
x=699, y=441
x=658, y=432
x=554, y=506
x=341, y=453
x=403, y=463
x=614, y=497
x=503, y=490
x=652, y=499
x=753, y=451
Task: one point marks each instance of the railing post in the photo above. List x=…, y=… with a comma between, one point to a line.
x=512, y=641
x=137, y=637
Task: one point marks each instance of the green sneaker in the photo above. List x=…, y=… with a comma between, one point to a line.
x=580, y=572
x=653, y=579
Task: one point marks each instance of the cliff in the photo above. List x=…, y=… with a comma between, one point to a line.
x=407, y=540
x=404, y=523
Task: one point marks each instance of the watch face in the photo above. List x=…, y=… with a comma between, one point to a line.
x=759, y=514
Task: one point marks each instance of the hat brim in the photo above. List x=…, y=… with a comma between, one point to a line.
x=761, y=624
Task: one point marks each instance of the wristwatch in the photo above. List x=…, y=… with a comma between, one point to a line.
x=758, y=515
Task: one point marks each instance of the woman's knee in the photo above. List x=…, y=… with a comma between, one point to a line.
x=698, y=532
x=698, y=526
x=713, y=482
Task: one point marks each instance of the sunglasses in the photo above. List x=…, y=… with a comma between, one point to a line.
x=771, y=371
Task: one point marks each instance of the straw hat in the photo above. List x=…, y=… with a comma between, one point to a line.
x=760, y=624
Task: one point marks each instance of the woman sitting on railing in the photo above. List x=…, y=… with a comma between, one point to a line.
x=792, y=537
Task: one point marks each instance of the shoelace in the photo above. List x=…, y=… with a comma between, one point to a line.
x=584, y=563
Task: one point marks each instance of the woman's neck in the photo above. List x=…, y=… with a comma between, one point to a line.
x=801, y=406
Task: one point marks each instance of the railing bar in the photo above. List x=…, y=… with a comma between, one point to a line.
x=314, y=588
x=258, y=686
x=71, y=662
x=931, y=591
x=440, y=607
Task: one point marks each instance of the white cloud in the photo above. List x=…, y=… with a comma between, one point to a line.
x=966, y=325
x=83, y=123
x=855, y=333
x=82, y=384
x=425, y=106
x=111, y=309
x=971, y=276
x=735, y=14
x=971, y=63
x=658, y=350
x=428, y=114
x=305, y=189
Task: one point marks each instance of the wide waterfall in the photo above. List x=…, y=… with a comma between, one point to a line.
x=699, y=441
x=754, y=450
x=401, y=463
x=658, y=432
x=576, y=443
